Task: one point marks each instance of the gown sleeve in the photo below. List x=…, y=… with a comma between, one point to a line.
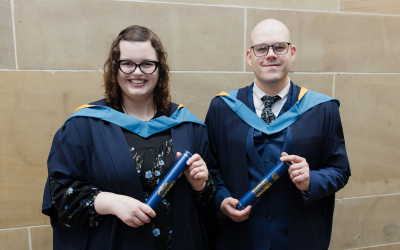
x=75, y=204
x=203, y=197
x=69, y=195
x=334, y=171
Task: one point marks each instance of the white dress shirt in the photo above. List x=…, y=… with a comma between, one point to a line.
x=277, y=106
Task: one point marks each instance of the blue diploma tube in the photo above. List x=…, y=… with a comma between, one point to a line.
x=169, y=180
x=264, y=184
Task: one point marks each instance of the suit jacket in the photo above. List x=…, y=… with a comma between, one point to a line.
x=317, y=136
x=96, y=152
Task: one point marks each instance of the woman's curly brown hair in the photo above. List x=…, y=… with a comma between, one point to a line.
x=135, y=33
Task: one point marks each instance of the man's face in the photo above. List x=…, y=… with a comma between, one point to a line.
x=271, y=69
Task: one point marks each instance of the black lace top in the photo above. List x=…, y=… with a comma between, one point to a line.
x=154, y=157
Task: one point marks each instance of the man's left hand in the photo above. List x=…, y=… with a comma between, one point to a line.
x=299, y=172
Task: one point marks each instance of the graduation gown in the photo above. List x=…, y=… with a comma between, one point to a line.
x=316, y=135
x=96, y=152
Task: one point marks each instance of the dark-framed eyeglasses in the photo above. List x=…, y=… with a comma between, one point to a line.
x=147, y=67
x=263, y=49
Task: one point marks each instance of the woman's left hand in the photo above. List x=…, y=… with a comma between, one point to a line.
x=197, y=172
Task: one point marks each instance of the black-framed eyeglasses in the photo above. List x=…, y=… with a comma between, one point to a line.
x=263, y=49
x=147, y=67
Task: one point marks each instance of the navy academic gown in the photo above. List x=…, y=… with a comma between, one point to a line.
x=96, y=152
x=317, y=136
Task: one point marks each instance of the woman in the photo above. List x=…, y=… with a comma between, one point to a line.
x=110, y=156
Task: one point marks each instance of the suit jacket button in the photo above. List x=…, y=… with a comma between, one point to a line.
x=267, y=160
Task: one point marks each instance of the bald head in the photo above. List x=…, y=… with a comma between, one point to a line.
x=271, y=67
x=271, y=30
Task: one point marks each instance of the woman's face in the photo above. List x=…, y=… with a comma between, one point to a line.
x=137, y=86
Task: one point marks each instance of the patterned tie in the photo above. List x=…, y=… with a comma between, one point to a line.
x=267, y=114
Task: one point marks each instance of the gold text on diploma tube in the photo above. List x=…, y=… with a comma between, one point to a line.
x=163, y=190
x=261, y=187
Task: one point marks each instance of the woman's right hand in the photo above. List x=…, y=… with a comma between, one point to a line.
x=131, y=211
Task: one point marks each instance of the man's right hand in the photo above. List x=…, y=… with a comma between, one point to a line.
x=228, y=207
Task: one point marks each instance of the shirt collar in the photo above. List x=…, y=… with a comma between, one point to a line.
x=258, y=93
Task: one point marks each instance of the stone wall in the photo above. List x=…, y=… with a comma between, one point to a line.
x=51, y=60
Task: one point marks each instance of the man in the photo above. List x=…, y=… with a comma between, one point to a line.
x=248, y=140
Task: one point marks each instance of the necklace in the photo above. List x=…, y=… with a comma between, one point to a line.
x=126, y=112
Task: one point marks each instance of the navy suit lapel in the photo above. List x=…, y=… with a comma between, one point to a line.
x=253, y=153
